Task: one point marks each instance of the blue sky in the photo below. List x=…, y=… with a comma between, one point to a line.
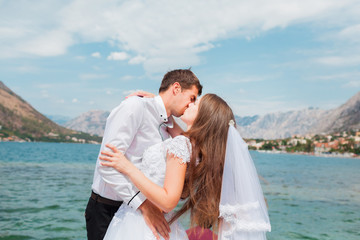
x=69, y=57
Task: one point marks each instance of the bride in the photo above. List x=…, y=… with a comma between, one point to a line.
x=209, y=167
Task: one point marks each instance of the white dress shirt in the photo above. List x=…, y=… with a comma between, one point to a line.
x=136, y=124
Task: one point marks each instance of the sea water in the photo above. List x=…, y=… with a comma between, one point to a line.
x=44, y=189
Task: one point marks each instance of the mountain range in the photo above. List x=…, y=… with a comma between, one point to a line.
x=306, y=121
x=18, y=118
x=269, y=126
x=280, y=124
x=91, y=122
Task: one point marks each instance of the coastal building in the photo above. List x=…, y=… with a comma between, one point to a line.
x=51, y=134
x=254, y=144
x=309, y=136
x=334, y=144
x=356, y=139
x=295, y=141
x=322, y=148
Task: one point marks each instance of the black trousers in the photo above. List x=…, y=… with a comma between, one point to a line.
x=98, y=217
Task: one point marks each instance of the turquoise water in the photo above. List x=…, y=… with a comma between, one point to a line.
x=44, y=188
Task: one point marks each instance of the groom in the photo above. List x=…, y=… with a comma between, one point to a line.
x=136, y=124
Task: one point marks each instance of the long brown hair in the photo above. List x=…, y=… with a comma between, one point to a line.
x=208, y=136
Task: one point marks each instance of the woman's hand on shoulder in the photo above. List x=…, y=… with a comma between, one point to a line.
x=116, y=160
x=141, y=93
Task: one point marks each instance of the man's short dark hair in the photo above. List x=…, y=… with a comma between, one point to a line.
x=185, y=77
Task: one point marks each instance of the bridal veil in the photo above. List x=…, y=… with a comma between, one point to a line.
x=243, y=211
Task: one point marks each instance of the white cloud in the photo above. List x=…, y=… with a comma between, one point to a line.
x=27, y=69
x=128, y=92
x=335, y=77
x=75, y=100
x=137, y=60
x=118, y=56
x=166, y=34
x=353, y=84
x=351, y=33
x=96, y=55
x=127, y=78
x=51, y=43
x=339, y=60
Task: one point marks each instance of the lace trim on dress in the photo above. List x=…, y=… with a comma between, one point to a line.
x=237, y=217
x=244, y=226
x=180, y=146
x=233, y=209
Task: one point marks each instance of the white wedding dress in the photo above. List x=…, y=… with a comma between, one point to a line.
x=128, y=223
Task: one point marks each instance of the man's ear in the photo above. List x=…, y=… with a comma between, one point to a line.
x=176, y=88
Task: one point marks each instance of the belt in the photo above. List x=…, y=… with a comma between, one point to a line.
x=107, y=201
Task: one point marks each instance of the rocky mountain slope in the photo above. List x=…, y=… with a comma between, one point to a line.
x=346, y=117
x=281, y=124
x=92, y=122
x=316, y=121
x=19, y=118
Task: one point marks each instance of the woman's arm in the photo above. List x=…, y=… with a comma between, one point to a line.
x=166, y=197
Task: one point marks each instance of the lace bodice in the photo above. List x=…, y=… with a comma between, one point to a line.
x=154, y=159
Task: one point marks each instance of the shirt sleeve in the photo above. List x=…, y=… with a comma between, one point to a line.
x=121, y=128
x=180, y=147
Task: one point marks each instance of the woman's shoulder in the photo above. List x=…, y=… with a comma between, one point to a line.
x=179, y=146
x=180, y=138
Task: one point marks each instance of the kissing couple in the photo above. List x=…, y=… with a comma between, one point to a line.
x=147, y=163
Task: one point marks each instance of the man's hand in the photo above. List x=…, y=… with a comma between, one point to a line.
x=155, y=219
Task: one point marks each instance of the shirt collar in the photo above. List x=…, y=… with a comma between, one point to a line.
x=160, y=107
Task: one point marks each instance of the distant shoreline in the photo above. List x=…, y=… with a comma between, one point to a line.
x=330, y=155
x=80, y=143
x=327, y=155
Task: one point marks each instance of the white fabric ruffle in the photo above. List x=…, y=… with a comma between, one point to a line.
x=239, y=218
x=180, y=146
